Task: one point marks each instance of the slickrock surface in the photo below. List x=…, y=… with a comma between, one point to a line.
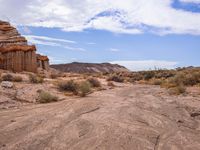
x=132, y=117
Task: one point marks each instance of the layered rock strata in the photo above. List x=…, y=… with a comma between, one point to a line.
x=43, y=62
x=15, y=53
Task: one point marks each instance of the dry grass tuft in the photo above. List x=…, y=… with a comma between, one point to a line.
x=46, y=97
x=94, y=82
x=35, y=79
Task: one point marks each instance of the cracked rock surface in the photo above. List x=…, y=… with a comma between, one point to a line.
x=139, y=117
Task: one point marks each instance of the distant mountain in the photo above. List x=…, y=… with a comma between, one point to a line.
x=78, y=67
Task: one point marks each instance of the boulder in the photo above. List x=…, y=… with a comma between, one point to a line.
x=7, y=84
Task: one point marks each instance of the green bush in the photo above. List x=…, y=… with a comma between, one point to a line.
x=84, y=88
x=35, y=79
x=94, y=82
x=7, y=77
x=46, y=97
x=68, y=86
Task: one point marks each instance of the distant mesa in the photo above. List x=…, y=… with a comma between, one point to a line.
x=78, y=67
x=15, y=53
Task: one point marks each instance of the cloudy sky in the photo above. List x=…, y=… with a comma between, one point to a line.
x=139, y=34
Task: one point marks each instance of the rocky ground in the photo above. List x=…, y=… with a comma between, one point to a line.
x=139, y=117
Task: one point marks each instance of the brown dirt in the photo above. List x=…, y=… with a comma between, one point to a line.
x=139, y=117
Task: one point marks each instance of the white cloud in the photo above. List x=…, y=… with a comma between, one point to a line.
x=146, y=64
x=48, y=38
x=114, y=50
x=127, y=16
x=191, y=1
x=49, y=41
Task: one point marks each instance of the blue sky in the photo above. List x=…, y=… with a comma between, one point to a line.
x=140, y=35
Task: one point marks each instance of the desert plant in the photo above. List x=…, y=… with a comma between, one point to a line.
x=157, y=81
x=115, y=78
x=7, y=77
x=94, y=82
x=148, y=75
x=192, y=78
x=68, y=86
x=17, y=79
x=35, y=79
x=180, y=89
x=84, y=88
x=46, y=97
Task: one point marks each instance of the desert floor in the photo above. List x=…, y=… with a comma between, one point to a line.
x=131, y=117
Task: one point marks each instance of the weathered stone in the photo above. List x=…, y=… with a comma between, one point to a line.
x=43, y=62
x=7, y=84
x=15, y=54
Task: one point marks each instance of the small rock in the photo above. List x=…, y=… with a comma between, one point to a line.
x=195, y=114
x=7, y=84
x=12, y=120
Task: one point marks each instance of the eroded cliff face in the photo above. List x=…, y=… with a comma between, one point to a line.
x=9, y=35
x=15, y=54
x=43, y=62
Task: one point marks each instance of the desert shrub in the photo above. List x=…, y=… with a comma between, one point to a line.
x=35, y=79
x=115, y=78
x=84, y=88
x=180, y=89
x=192, y=78
x=178, y=79
x=17, y=79
x=68, y=86
x=136, y=77
x=157, y=81
x=94, y=82
x=46, y=97
x=7, y=77
x=54, y=76
x=148, y=75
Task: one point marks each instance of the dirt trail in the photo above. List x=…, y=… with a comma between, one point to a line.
x=138, y=117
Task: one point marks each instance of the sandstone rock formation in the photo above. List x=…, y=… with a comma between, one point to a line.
x=15, y=54
x=43, y=62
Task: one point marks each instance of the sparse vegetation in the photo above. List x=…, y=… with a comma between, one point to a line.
x=35, y=79
x=7, y=77
x=17, y=79
x=180, y=89
x=94, y=82
x=68, y=86
x=10, y=77
x=46, y=97
x=157, y=81
x=84, y=88
x=116, y=78
x=77, y=88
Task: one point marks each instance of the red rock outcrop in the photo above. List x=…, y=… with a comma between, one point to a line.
x=43, y=62
x=15, y=54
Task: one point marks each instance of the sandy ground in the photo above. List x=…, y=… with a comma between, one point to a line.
x=133, y=117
